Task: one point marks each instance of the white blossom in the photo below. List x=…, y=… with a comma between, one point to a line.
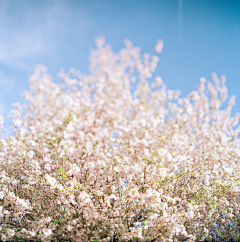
x=89, y=155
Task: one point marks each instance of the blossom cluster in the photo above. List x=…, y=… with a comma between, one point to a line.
x=91, y=159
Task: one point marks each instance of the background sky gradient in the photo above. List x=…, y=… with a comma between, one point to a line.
x=200, y=37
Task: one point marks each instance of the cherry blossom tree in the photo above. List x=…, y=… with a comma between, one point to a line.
x=90, y=159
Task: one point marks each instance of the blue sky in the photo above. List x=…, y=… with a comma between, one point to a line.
x=200, y=36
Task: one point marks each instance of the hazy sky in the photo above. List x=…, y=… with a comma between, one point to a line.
x=200, y=36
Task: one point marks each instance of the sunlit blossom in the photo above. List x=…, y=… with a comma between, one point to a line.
x=95, y=156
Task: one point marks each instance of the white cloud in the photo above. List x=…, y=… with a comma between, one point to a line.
x=31, y=29
x=18, y=41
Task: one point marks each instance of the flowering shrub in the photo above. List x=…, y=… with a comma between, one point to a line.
x=91, y=160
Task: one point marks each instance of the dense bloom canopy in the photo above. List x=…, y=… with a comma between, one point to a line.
x=90, y=159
